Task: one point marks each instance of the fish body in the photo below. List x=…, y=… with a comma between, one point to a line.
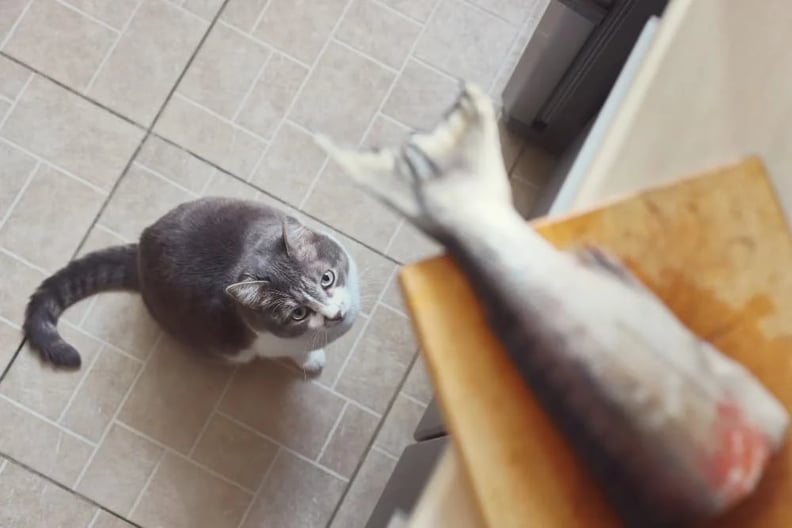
x=674, y=431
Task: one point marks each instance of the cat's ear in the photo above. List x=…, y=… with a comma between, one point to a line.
x=295, y=236
x=247, y=293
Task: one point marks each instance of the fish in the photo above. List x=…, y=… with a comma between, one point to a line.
x=673, y=431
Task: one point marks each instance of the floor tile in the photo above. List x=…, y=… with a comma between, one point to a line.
x=44, y=232
x=296, y=494
x=350, y=440
x=174, y=396
x=280, y=403
x=224, y=185
x=205, y=9
x=514, y=11
x=120, y=469
x=385, y=132
x=312, y=21
x=30, y=501
x=209, y=135
x=421, y=96
x=417, y=9
x=339, y=350
x=525, y=32
x=182, y=495
x=336, y=200
x=465, y=41
x=60, y=42
x=378, y=32
x=380, y=360
x=524, y=196
x=16, y=169
x=102, y=390
x=290, y=165
x=355, y=85
x=418, y=384
x=71, y=133
x=10, y=339
x=41, y=445
x=224, y=70
x=534, y=166
x=13, y=78
x=10, y=11
x=19, y=281
x=410, y=245
x=243, y=14
x=42, y=388
x=399, y=425
x=175, y=163
x=374, y=271
x=393, y=298
x=115, y=13
x=272, y=95
x=365, y=491
x=142, y=69
x=141, y=199
x=235, y=452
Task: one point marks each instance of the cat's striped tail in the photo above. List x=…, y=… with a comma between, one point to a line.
x=114, y=268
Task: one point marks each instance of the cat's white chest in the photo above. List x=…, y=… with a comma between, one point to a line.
x=268, y=345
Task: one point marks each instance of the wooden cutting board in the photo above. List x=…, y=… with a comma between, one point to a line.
x=716, y=250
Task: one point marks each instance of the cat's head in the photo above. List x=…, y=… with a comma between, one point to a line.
x=297, y=282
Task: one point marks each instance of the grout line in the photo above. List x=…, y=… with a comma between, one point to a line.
x=146, y=484
x=413, y=399
x=473, y=4
x=214, y=411
x=164, y=178
x=88, y=310
x=116, y=234
x=43, y=418
x=24, y=261
x=363, y=330
x=208, y=182
x=94, y=518
x=260, y=486
x=10, y=323
x=221, y=117
x=390, y=69
x=87, y=15
x=16, y=101
x=435, y=69
x=16, y=23
x=398, y=13
x=282, y=446
x=253, y=85
x=259, y=17
x=8, y=100
x=112, y=420
x=168, y=450
x=107, y=344
x=70, y=491
x=3, y=463
x=73, y=91
x=56, y=168
x=332, y=431
x=260, y=42
x=79, y=385
x=110, y=51
x=19, y=195
x=383, y=452
x=180, y=5
x=392, y=239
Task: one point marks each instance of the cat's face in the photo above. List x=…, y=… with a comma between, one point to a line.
x=303, y=284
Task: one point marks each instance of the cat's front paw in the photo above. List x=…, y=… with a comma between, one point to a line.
x=314, y=362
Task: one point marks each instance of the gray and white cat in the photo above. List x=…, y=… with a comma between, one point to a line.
x=227, y=277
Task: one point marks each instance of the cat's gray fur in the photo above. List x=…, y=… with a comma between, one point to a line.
x=223, y=276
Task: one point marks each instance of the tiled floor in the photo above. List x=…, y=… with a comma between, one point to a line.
x=111, y=113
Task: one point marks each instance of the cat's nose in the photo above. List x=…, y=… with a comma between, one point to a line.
x=336, y=318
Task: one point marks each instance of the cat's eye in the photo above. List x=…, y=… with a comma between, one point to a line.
x=328, y=279
x=300, y=313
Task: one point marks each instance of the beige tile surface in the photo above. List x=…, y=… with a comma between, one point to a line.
x=46, y=233
x=60, y=42
x=71, y=132
x=182, y=495
x=30, y=501
x=146, y=429
x=350, y=440
x=364, y=491
x=120, y=469
x=147, y=60
x=334, y=101
x=312, y=21
x=276, y=401
x=380, y=360
x=295, y=495
x=462, y=39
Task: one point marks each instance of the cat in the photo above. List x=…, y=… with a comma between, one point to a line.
x=231, y=278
